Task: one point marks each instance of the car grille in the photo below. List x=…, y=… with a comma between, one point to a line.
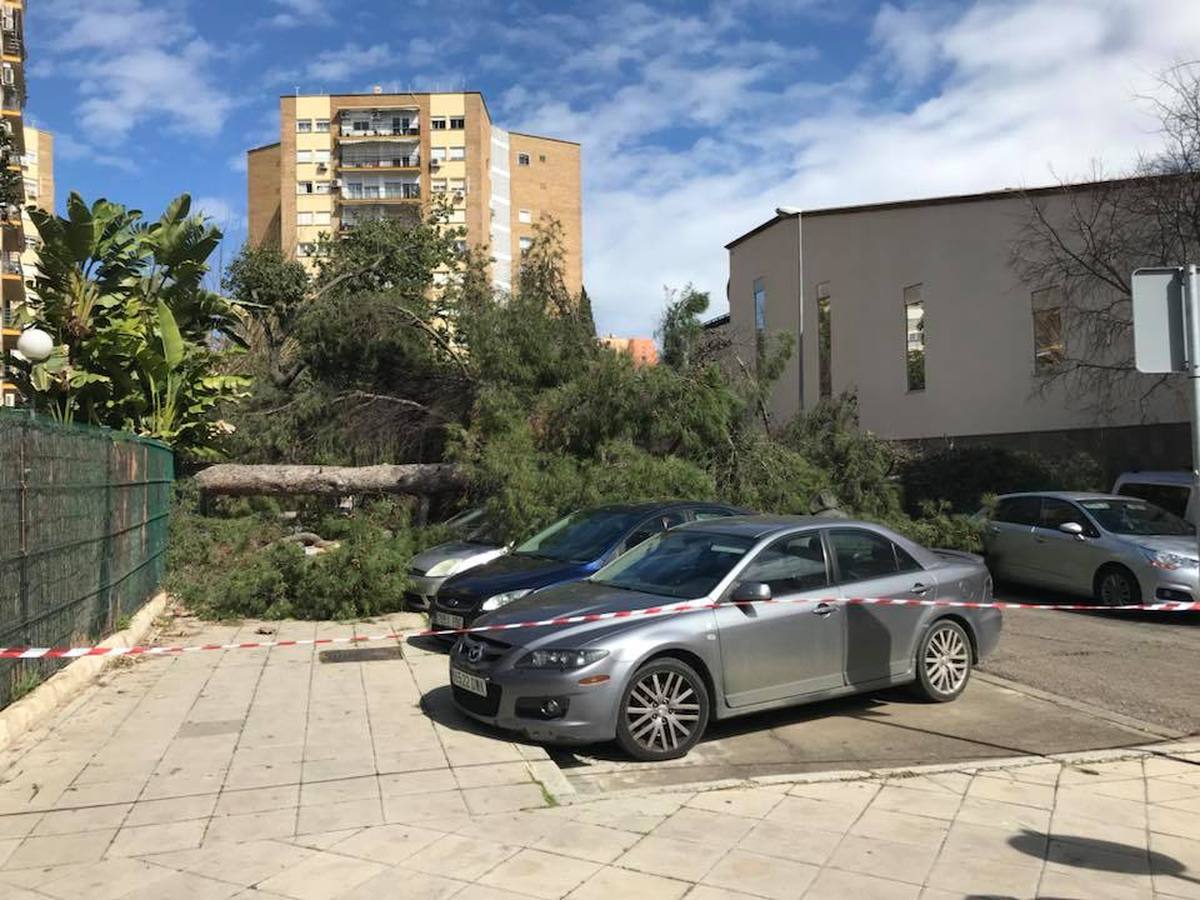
x=456, y=599
x=492, y=648
x=481, y=706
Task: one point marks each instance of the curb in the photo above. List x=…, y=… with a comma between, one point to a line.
x=19, y=718
x=971, y=767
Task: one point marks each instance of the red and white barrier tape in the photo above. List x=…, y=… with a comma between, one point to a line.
x=672, y=609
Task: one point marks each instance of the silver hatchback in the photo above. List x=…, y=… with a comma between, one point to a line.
x=654, y=682
x=1120, y=550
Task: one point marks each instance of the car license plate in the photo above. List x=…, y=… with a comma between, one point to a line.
x=447, y=620
x=468, y=682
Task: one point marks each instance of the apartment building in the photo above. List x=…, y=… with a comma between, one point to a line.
x=345, y=158
x=916, y=306
x=12, y=229
x=643, y=350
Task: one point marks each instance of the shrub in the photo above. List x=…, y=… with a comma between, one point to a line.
x=963, y=475
x=767, y=477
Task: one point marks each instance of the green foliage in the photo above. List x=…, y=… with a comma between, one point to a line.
x=963, y=475
x=764, y=475
x=132, y=323
x=939, y=527
x=680, y=331
x=859, y=464
x=12, y=184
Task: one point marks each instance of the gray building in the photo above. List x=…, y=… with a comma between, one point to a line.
x=917, y=307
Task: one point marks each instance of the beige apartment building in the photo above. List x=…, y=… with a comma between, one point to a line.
x=345, y=158
x=916, y=306
x=12, y=227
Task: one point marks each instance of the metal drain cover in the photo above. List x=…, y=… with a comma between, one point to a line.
x=360, y=654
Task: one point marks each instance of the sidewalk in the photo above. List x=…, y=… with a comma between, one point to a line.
x=266, y=774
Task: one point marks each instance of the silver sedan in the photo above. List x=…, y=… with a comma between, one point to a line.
x=1120, y=550
x=654, y=682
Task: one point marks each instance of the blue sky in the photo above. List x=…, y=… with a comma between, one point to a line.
x=696, y=119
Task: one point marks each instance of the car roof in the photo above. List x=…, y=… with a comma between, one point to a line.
x=1177, y=476
x=651, y=506
x=1065, y=495
x=755, y=527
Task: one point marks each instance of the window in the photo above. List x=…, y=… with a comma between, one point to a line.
x=457, y=123
x=824, y=340
x=304, y=126
x=321, y=187
x=760, y=305
x=1171, y=497
x=862, y=555
x=457, y=216
x=360, y=125
x=321, y=218
x=1059, y=512
x=1048, y=346
x=652, y=526
x=460, y=246
x=438, y=124
x=458, y=185
x=438, y=153
x=522, y=159
x=321, y=156
x=458, y=152
x=304, y=187
x=525, y=216
x=1018, y=511
x=31, y=189
x=789, y=565
x=304, y=218
x=306, y=249
x=541, y=157
x=525, y=244
x=914, y=337
x=438, y=185
x=304, y=156
x=323, y=126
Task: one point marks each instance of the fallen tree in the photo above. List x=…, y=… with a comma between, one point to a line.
x=422, y=479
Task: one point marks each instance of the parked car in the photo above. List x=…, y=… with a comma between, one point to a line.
x=572, y=548
x=1116, y=549
x=655, y=682
x=475, y=544
x=1170, y=490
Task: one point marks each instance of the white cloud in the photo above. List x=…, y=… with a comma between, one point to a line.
x=224, y=214
x=330, y=68
x=293, y=13
x=68, y=147
x=136, y=62
x=1014, y=92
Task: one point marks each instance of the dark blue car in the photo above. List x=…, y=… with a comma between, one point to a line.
x=572, y=548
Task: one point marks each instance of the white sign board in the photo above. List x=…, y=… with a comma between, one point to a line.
x=1159, y=327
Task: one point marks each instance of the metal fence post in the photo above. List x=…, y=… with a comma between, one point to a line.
x=23, y=530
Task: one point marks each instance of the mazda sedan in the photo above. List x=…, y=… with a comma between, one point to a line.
x=653, y=682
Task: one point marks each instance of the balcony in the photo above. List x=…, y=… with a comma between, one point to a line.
x=12, y=267
x=380, y=130
x=359, y=214
x=412, y=161
x=13, y=98
x=379, y=193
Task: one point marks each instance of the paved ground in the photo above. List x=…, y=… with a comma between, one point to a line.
x=269, y=774
x=1139, y=664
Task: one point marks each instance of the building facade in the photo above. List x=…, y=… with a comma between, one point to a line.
x=344, y=158
x=916, y=307
x=12, y=229
x=643, y=351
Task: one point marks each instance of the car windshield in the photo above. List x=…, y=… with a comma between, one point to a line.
x=676, y=563
x=1135, y=517
x=581, y=536
x=474, y=527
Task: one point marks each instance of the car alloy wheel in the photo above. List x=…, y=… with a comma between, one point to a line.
x=1118, y=589
x=663, y=711
x=944, y=663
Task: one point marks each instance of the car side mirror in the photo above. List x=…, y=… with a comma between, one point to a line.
x=1073, y=528
x=750, y=592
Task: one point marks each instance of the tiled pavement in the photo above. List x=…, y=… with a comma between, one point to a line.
x=267, y=774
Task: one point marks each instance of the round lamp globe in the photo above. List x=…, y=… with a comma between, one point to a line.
x=35, y=345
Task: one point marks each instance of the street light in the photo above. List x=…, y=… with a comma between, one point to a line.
x=35, y=345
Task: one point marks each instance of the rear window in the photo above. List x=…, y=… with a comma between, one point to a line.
x=1019, y=511
x=1171, y=497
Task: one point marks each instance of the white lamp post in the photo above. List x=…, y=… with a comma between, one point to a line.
x=35, y=345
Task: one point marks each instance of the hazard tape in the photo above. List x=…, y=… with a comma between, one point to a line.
x=583, y=618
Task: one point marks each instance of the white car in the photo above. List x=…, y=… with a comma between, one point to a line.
x=475, y=546
x=1170, y=490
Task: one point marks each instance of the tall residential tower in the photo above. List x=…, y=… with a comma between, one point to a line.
x=345, y=158
x=12, y=231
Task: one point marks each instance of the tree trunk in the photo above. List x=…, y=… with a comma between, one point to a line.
x=420, y=479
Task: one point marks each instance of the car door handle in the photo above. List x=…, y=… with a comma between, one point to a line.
x=824, y=609
x=919, y=589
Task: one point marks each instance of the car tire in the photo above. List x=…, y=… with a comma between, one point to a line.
x=1117, y=586
x=944, y=662
x=664, y=711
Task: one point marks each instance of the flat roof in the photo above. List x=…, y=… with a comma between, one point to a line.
x=263, y=147
x=543, y=137
x=716, y=321
x=929, y=201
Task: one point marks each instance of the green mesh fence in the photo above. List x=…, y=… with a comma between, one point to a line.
x=83, y=536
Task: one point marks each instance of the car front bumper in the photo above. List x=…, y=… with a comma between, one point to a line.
x=591, y=710
x=1166, y=586
x=421, y=591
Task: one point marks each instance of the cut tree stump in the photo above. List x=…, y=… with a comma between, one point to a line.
x=420, y=479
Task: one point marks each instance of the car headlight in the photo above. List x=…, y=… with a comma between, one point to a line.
x=445, y=567
x=499, y=600
x=1164, y=559
x=560, y=659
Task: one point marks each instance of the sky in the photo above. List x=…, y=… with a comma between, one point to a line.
x=697, y=119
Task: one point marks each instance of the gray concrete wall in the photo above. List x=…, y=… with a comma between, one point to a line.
x=980, y=377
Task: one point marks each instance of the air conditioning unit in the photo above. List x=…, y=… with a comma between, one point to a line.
x=9, y=75
x=434, y=163
x=9, y=23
